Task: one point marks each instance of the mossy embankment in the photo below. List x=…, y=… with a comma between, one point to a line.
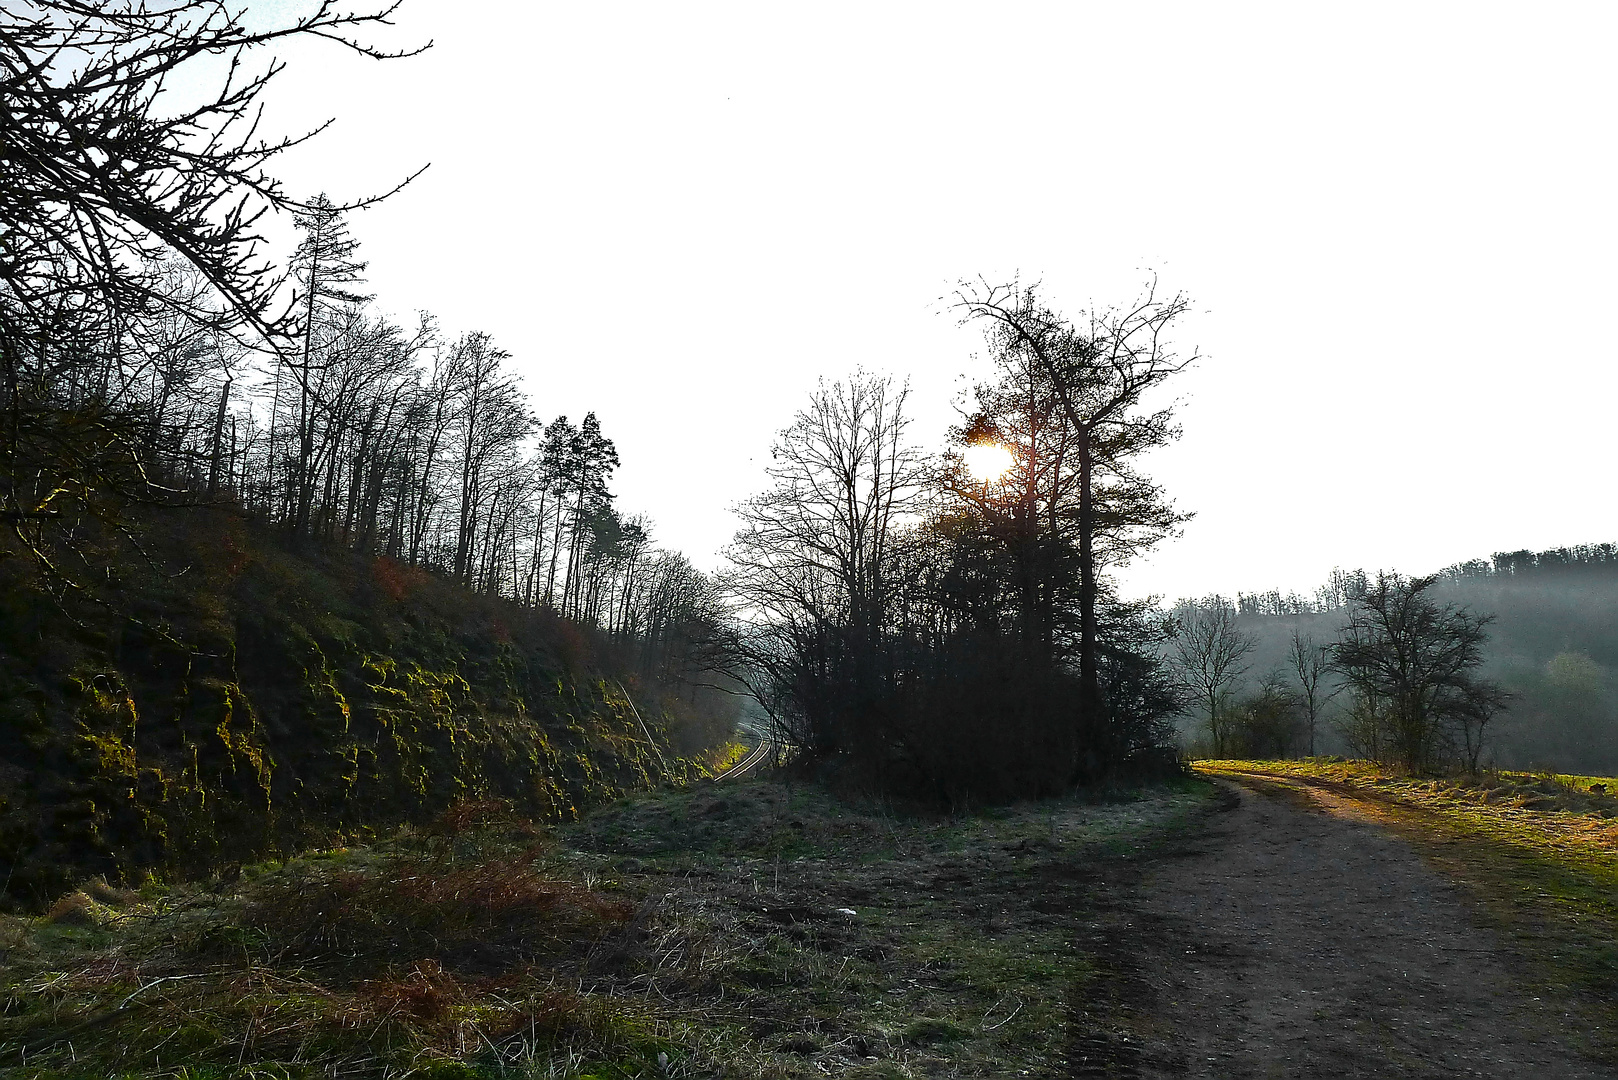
x=235, y=698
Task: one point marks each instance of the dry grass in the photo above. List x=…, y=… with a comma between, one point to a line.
x=480, y=917
x=459, y=952
x=747, y=931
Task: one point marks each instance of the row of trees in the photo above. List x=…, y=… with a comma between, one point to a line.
x=1337, y=594
x=150, y=355
x=404, y=444
x=953, y=631
x=1551, y=647
x=1576, y=560
x=1343, y=586
x=1404, y=666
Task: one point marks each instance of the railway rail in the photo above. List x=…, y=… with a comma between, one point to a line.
x=764, y=751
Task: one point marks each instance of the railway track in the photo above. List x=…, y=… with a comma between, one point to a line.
x=755, y=758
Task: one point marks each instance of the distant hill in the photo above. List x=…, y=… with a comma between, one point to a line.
x=245, y=699
x=1553, y=644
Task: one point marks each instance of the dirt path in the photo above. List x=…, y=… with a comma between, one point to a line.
x=1305, y=942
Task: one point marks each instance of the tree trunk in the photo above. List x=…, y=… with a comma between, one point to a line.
x=1091, y=726
x=218, y=438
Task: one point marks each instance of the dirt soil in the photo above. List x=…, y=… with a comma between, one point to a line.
x=1290, y=940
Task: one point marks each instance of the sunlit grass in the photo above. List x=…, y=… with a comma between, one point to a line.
x=1549, y=813
x=723, y=757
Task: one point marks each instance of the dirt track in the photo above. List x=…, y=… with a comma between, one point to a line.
x=1305, y=942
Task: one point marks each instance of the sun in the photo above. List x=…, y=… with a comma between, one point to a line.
x=988, y=461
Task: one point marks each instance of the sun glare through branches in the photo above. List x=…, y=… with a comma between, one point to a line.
x=988, y=462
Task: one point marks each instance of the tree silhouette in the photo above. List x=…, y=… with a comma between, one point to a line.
x=103, y=191
x=1415, y=661
x=1212, y=656
x=325, y=270
x=1099, y=375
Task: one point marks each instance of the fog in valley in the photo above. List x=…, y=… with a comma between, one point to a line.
x=1552, y=645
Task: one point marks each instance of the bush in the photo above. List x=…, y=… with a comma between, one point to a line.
x=988, y=725
x=1268, y=725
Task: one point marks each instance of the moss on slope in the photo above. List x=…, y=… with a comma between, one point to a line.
x=263, y=700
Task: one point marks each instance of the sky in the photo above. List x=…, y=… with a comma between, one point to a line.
x=1395, y=222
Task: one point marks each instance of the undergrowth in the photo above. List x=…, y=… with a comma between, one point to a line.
x=748, y=930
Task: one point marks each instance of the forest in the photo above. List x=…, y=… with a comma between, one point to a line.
x=1544, y=643
x=274, y=567
x=943, y=623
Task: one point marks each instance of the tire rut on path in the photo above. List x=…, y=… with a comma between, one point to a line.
x=1290, y=942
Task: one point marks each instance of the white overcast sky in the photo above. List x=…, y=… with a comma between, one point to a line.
x=1396, y=222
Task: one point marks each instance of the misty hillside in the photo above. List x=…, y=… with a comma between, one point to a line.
x=1553, y=645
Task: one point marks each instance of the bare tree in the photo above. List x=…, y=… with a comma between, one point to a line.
x=1365, y=725
x=433, y=416
x=1265, y=723
x=1210, y=649
x=492, y=419
x=1312, y=664
x=813, y=560
x=326, y=271
x=103, y=186
x=1415, y=662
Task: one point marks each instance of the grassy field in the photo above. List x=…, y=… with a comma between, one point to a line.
x=1537, y=851
x=746, y=930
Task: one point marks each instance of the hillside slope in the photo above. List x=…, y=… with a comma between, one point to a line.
x=236, y=699
x=1552, y=645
